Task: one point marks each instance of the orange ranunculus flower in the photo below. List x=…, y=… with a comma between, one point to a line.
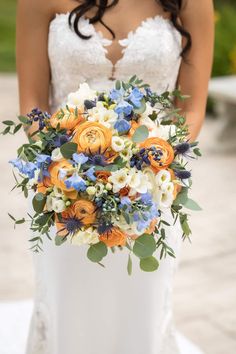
x=151, y=227
x=85, y=210
x=54, y=170
x=67, y=119
x=44, y=184
x=165, y=147
x=103, y=175
x=92, y=137
x=113, y=237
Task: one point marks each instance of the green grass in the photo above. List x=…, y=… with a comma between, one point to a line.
x=7, y=35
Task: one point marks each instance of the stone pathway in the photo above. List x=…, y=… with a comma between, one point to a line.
x=205, y=288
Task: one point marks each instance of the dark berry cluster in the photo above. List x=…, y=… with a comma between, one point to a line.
x=38, y=116
x=143, y=157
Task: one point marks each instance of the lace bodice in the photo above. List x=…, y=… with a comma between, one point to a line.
x=152, y=52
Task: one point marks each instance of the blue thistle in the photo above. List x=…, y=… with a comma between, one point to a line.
x=182, y=149
x=71, y=225
x=182, y=174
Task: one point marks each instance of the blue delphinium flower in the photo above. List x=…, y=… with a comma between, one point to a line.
x=117, y=95
x=146, y=198
x=79, y=158
x=123, y=108
x=135, y=97
x=60, y=140
x=90, y=174
x=26, y=168
x=62, y=173
x=122, y=126
x=76, y=182
x=42, y=162
x=125, y=203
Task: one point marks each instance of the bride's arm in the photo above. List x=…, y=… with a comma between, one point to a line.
x=197, y=18
x=31, y=55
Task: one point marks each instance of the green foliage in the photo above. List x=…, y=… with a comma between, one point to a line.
x=149, y=264
x=140, y=134
x=144, y=246
x=68, y=149
x=97, y=252
x=7, y=35
x=225, y=34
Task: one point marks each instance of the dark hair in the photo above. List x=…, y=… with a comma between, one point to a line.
x=171, y=6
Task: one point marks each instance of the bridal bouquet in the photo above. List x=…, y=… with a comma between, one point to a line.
x=104, y=168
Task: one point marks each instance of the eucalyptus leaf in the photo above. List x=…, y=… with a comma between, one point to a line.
x=97, y=252
x=59, y=240
x=192, y=205
x=182, y=197
x=23, y=119
x=68, y=149
x=149, y=264
x=38, y=202
x=144, y=246
x=142, y=108
x=140, y=134
x=8, y=122
x=129, y=265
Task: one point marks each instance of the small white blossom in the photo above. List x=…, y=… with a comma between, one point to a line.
x=91, y=190
x=76, y=99
x=101, y=114
x=58, y=205
x=119, y=179
x=56, y=155
x=87, y=236
x=117, y=144
x=163, y=176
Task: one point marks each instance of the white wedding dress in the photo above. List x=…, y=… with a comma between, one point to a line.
x=80, y=307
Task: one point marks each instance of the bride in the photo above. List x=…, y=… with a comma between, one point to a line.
x=80, y=307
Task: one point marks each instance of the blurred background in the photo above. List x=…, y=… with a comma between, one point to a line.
x=205, y=288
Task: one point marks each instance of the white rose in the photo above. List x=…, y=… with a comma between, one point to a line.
x=119, y=179
x=88, y=236
x=58, y=205
x=117, y=144
x=56, y=155
x=163, y=176
x=76, y=99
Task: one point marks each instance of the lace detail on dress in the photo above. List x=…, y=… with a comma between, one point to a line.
x=39, y=336
x=152, y=52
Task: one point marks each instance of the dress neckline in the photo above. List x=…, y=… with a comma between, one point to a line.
x=123, y=42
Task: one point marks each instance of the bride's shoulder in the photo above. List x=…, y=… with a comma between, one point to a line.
x=42, y=10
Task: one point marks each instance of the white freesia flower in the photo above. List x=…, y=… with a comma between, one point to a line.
x=151, y=125
x=77, y=98
x=57, y=192
x=163, y=199
x=139, y=182
x=162, y=177
x=119, y=179
x=130, y=229
x=102, y=115
x=166, y=131
x=56, y=155
x=117, y=143
x=87, y=236
x=168, y=187
x=126, y=154
x=148, y=172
